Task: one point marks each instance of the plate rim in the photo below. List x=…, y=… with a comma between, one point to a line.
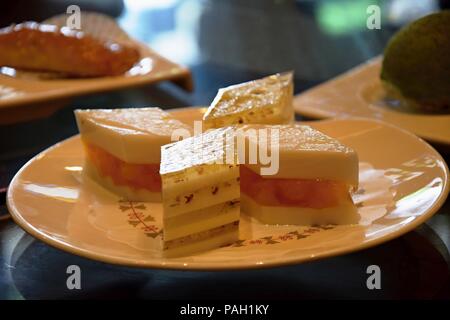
x=208, y=266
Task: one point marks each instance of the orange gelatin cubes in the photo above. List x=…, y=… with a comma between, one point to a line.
x=137, y=176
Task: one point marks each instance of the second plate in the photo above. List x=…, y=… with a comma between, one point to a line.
x=359, y=93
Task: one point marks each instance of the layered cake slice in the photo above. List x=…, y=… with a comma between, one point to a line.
x=200, y=191
x=267, y=100
x=311, y=185
x=123, y=148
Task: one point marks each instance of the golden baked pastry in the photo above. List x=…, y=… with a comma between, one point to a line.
x=44, y=47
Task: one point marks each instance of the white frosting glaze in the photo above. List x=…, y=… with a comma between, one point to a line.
x=134, y=135
x=210, y=147
x=305, y=153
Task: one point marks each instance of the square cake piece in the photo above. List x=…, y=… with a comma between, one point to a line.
x=312, y=181
x=123, y=148
x=200, y=191
x=267, y=101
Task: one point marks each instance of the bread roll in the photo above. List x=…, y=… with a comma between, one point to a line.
x=44, y=47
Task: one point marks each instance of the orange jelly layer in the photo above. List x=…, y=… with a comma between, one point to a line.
x=137, y=176
x=316, y=194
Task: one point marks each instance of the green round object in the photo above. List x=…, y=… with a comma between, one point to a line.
x=417, y=62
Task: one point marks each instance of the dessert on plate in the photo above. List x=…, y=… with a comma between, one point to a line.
x=45, y=47
x=123, y=148
x=287, y=174
x=200, y=192
x=312, y=184
x=267, y=100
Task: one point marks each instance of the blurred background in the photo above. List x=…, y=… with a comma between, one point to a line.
x=316, y=38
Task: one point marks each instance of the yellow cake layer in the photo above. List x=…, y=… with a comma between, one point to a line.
x=195, y=199
x=201, y=220
x=203, y=241
x=345, y=213
x=194, y=175
x=200, y=192
x=197, y=178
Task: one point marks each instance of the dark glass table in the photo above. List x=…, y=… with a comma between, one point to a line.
x=224, y=42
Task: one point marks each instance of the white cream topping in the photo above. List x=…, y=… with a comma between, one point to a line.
x=134, y=135
x=211, y=148
x=305, y=153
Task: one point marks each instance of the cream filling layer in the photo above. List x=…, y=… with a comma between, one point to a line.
x=198, y=177
x=192, y=200
x=201, y=220
x=345, y=213
x=217, y=241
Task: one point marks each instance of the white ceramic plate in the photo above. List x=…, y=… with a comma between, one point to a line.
x=359, y=93
x=403, y=181
x=28, y=95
